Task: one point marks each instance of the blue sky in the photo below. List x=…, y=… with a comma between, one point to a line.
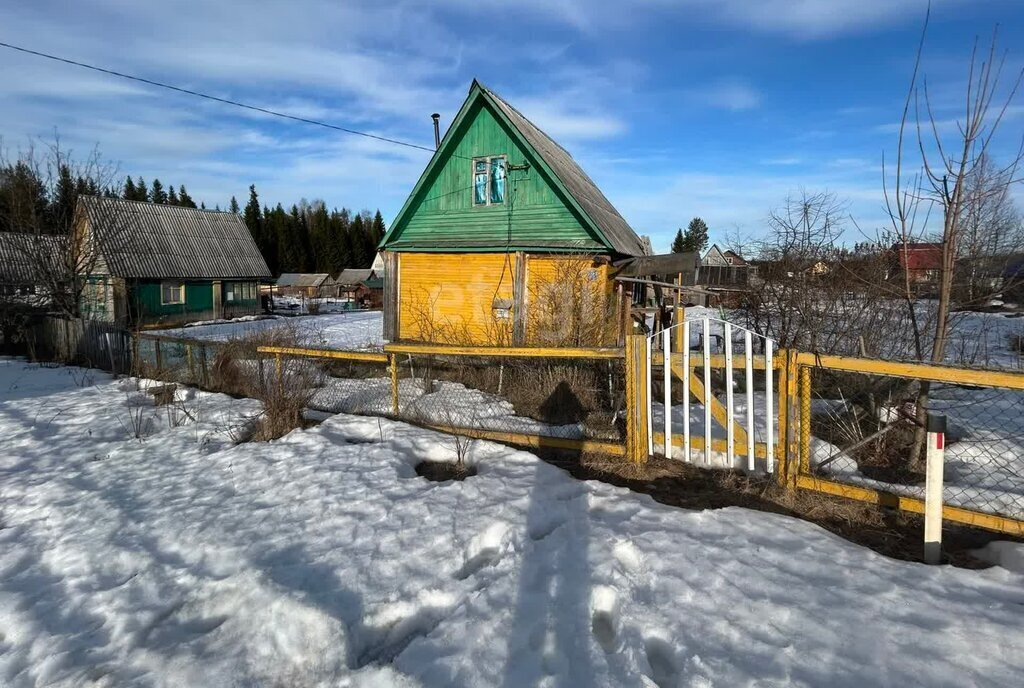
x=717, y=108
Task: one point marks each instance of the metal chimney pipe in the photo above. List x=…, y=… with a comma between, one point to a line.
x=437, y=130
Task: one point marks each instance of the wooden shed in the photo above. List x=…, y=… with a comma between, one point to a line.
x=503, y=240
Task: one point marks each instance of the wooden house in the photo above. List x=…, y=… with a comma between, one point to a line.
x=363, y=288
x=310, y=285
x=503, y=238
x=920, y=262
x=162, y=264
x=29, y=266
x=723, y=270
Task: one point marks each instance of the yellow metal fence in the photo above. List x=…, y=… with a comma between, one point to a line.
x=472, y=391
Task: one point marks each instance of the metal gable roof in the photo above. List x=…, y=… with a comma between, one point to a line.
x=583, y=196
x=582, y=188
x=302, y=279
x=27, y=258
x=155, y=241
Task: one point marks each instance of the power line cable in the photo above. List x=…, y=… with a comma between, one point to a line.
x=226, y=101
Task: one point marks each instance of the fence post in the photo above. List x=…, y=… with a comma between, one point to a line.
x=278, y=371
x=636, y=398
x=159, y=357
x=804, y=464
x=793, y=411
x=936, y=456
x=393, y=364
x=782, y=399
x=191, y=363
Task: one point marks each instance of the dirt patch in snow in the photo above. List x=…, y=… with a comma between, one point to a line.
x=443, y=471
x=889, y=532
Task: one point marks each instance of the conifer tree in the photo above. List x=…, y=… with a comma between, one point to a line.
x=696, y=236
x=234, y=205
x=157, y=193
x=679, y=243
x=141, y=190
x=129, y=189
x=172, y=195
x=184, y=199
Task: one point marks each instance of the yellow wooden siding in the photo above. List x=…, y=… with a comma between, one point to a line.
x=567, y=301
x=448, y=298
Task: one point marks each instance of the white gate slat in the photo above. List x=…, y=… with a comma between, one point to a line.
x=706, y=324
x=730, y=407
x=667, y=371
x=686, y=391
x=648, y=400
x=748, y=360
x=769, y=393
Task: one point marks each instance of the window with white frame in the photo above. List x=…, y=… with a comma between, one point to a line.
x=489, y=180
x=172, y=293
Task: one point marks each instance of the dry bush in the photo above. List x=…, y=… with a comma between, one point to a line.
x=558, y=393
x=1015, y=342
x=285, y=393
x=575, y=307
x=313, y=307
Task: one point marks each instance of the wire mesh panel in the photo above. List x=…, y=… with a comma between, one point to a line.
x=865, y=430
x=546, y=397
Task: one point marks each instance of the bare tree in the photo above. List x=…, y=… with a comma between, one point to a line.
x=39, y=196
x=954, y=177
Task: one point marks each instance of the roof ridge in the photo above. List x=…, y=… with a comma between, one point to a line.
x=118, y=199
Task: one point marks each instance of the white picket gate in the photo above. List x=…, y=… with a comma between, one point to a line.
x=721, y=427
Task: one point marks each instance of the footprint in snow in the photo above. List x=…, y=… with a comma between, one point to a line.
x=484, y=550
x=629, y=556
x=604, y=616
x=661, y=657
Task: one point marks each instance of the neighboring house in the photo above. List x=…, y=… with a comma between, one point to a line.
x=920, y=262
x=723, y=269
x=362, y=287
x=309, y=285
x=162, y=264
x=500, y=214
x=28, y=264
x=1013, y=280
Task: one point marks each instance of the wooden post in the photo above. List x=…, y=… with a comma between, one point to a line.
x=679, y=315
x=936, y=451
x=191, y=363
x=637, y=401
x=393, y=363
x=159, y=358
x=805, y=421
x=278, y=370
x=792, y=396
x=782, y=455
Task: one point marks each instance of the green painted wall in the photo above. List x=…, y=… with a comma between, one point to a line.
x=443, y=210
x=146, y=300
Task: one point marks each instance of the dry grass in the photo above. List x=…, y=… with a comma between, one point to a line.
x=893, y=533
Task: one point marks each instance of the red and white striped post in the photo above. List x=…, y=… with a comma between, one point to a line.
x=935, y=461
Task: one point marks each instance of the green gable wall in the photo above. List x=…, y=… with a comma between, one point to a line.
x=442, y=217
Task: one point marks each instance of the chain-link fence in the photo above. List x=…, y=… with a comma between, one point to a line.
x=863, y=428
x=575, y=396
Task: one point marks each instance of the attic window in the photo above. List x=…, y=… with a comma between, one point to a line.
x=489, y=181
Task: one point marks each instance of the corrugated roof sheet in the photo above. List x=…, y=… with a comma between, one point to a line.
x=22, y=253
x=353, y=276
x=576, y=181
x=302, y=279
x=155, y=241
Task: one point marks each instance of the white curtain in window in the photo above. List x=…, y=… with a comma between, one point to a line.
x=497, y=180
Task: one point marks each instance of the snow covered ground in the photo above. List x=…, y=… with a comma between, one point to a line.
x=345, y=330
x=185, y=559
